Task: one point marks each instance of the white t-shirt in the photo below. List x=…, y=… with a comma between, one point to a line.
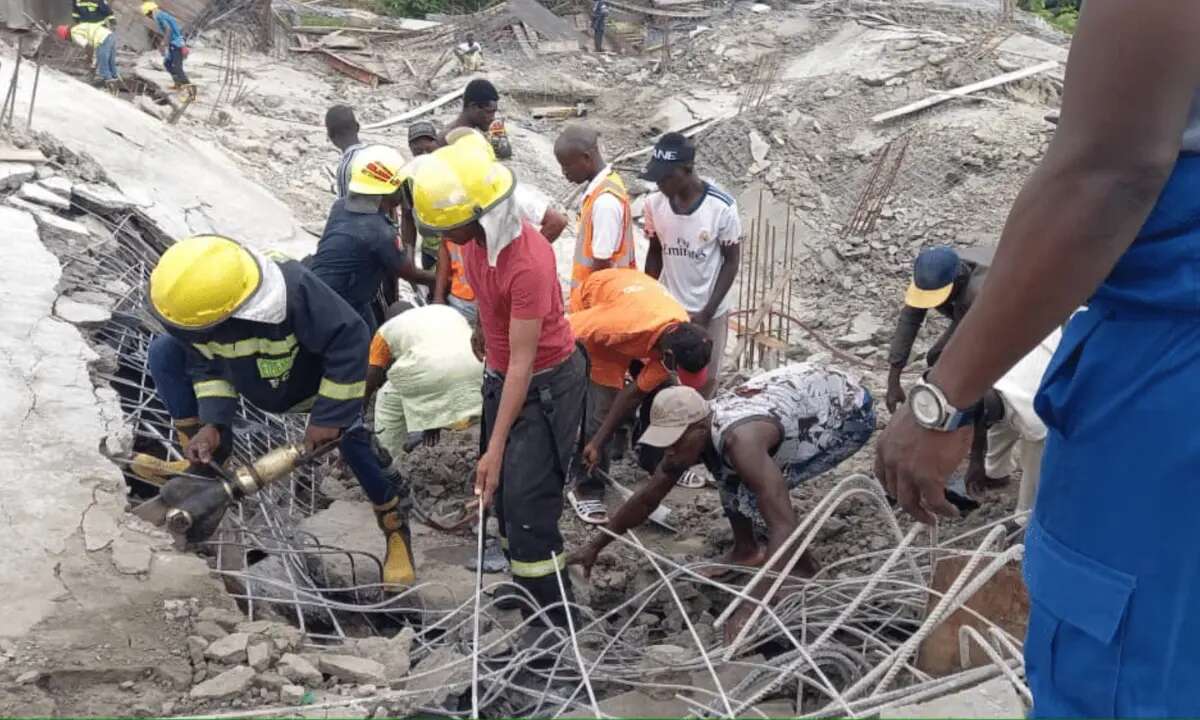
x=608, y=218
x=1020, y=384
x=691, y=252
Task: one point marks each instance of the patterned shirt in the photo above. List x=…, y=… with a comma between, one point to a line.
x=810, y=404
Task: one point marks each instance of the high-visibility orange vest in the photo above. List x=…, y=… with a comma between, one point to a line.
x=622, y=257
x=459, y=287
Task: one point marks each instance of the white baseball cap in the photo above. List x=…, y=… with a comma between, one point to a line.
x=673, y=411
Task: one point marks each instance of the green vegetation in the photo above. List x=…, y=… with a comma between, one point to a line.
x=1062, y=15
x=421, y=8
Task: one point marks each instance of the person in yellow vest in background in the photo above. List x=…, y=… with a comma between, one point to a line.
x=605, y=236
x=102, y=42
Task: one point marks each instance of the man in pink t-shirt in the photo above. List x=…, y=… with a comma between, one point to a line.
x=535, y=377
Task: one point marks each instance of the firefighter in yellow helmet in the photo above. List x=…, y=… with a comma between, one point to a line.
x=534, y=377
x=359, y=253
x=240, y=324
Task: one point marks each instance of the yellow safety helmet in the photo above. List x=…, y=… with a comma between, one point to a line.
x=149, y=7
x=376, y=170
x=458, y=184
x=202, y=280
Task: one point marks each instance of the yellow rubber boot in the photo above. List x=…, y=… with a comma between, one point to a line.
x=398, y=566
x=155, y=470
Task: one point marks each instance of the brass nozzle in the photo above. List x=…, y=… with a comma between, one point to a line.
x=277, y=464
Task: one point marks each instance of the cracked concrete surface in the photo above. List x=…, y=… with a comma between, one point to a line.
x=159, y=168
x=78, y=572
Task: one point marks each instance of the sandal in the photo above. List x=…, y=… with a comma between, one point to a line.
x=592, y=512
x=692, y=480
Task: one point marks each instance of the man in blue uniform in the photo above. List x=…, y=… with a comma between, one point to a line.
x=1110, y=220
x=174, y=48
x=359, y=250
x=242, y=325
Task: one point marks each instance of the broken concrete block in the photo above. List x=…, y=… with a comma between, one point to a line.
x=992, y=699
x=449, y=674
x=25, y=205
x=12, y=174
x=101, y=198
x=58, y=185
x=772, y=709
x=56, y=227
x=392, y=653
x=35, y=193
x=229, y=650
x=348, y=525
x=297, y=669
x=270, y=681
x=227, y=619
x=128, y=556
x=151, y=108
x=730, y=673
x=636, y=705
x=258, y=655
x=28, y=677
x=291, y=694
x=196, y=646
x=234, y=681
x=353, y=669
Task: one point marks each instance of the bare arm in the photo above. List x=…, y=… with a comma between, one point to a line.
x=1130, y=79
x=376, y=377
x=626, y=401
x=441, y=286
x=634, y=511
x=553, y=223
x=654, y=257
x=731, y=258
x=415, y=275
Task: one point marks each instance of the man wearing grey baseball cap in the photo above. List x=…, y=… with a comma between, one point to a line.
x=759, y=440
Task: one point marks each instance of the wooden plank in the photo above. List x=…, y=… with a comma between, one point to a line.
x=12, y=154
x=519, y=32
x=558, y=111
x=539, y=18
x=418, y=111
x=963, y=91
x=332, y=29
x=659, y=12
x=352, y=69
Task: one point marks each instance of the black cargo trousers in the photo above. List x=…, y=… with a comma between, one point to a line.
x=529, y=500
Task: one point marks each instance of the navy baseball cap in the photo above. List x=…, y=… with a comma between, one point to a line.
x=671, y=151
x=934, y=272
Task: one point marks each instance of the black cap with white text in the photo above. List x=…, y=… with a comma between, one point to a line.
x=672, y=150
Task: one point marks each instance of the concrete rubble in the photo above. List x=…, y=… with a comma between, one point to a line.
x=94, y=582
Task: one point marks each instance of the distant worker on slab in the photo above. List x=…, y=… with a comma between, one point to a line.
x=103, y=44
x=342, y=129
x=469, y=54
x=174, y=46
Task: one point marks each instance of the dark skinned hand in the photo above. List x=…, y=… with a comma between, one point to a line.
x=700, y=318
x=913, y=464
x=432, y=437
x=585, y=558
x=203, y=444
x=895, y=396
x=317, y=435
x=590, y=455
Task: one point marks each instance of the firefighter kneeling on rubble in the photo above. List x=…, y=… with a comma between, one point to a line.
x=535, y=376
x=241, y=324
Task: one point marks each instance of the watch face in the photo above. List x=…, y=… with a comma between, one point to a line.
x=925, y=406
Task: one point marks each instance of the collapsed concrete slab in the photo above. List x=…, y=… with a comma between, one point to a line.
x=184, y=184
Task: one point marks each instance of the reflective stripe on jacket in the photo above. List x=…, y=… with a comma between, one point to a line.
x=89, y=34
x=315, y=358
x=622, y=257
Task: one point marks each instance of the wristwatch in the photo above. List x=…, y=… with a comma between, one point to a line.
x=933, y=412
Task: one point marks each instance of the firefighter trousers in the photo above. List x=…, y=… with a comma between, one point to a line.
x=529, y=501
